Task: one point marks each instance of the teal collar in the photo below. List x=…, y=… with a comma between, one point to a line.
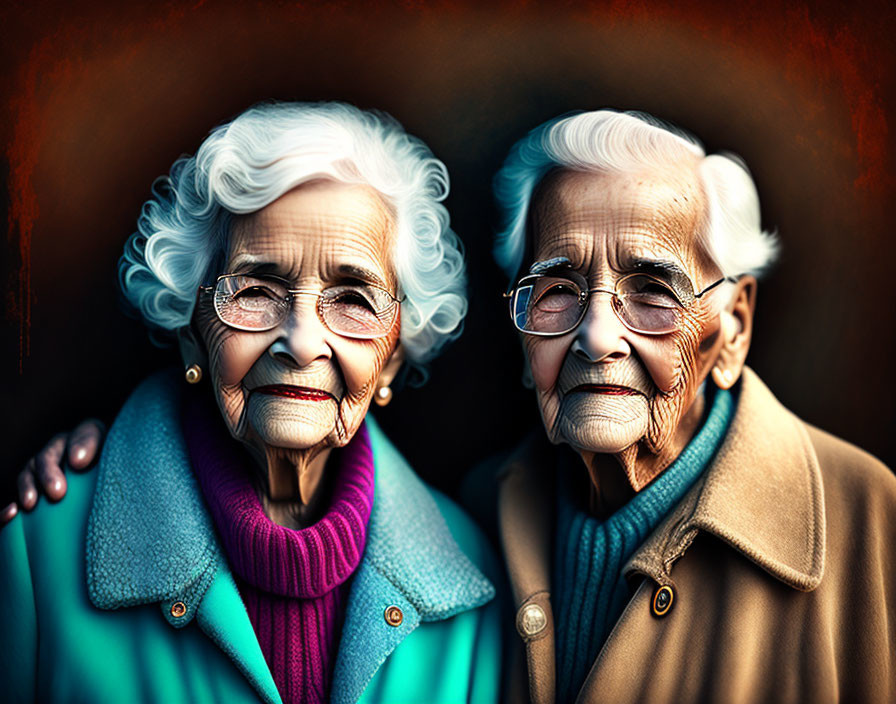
x=150, y=539
x=411, y=562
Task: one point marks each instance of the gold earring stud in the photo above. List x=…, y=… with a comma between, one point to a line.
x=193, y=374
x=382, y=396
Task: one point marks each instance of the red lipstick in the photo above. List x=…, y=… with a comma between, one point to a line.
x=609, y=389
x=302, y=393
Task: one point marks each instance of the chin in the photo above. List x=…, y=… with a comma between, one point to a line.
x=291, y=424
x=602, y=424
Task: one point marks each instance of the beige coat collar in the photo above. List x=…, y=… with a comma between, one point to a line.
x=762, y=495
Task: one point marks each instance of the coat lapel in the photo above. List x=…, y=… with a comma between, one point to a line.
x=766, y=463
x=411, y=562
x=150, y=538
x=223, y=618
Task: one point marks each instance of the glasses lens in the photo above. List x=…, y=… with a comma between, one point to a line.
x=250, y=303
x=647, y=304
x=547, y=304
x=358, y=311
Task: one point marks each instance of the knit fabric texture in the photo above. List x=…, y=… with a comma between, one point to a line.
x=590, y=590
x=294, y=583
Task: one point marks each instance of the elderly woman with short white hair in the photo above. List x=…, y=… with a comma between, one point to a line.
x=251, y=533
x=673, y=534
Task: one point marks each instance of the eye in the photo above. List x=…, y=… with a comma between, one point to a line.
x=353, y=297
x=256, y=296
x=648, y=291
x=254, y=291
x=556, y=296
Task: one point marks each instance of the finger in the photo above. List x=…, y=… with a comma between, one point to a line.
x=84, y=443
x=27, y=489
x=8, y=513
x=49, y=470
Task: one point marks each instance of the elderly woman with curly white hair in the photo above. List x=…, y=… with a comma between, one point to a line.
x=251, y=533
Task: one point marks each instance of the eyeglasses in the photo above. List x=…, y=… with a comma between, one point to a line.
x=362, y=311
x=549, y=305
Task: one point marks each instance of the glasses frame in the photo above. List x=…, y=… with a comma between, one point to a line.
x=291, y=294
x=585, y=294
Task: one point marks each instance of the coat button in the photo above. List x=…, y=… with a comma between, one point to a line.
x=662, y=600
x=394, y=617
x=531, y=620
x=178, y=609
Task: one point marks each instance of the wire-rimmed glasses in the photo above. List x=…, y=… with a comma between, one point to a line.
x=555, y=304
x=363, y=311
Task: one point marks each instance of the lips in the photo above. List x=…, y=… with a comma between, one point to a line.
x=608, y=389
x=302, y=393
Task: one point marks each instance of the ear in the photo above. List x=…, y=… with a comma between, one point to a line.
x=192, y=351
x=391, y=367
x=737, y=333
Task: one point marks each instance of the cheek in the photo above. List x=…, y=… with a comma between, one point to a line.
x=674, y=361
x=662, y=358
x=546, y=357
x=234, y=357
x=360, y=363
x=231, y=353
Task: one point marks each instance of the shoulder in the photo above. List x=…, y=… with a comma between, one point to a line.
x=55, y=528
x=42, y=571
x=840, y=458
x=858, y=488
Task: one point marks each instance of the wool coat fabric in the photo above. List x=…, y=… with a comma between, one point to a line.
x=121, y=591
x=779, y=564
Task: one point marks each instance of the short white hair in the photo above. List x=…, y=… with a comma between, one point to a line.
x=246, y=164
x=610, y=141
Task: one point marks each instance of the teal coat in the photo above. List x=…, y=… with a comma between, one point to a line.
x=90, y=586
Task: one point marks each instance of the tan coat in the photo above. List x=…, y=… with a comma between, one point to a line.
x=781, y=561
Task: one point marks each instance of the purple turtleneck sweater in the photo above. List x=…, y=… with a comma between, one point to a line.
x=294, y=583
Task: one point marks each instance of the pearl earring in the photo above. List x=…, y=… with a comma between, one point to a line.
x=382, y=396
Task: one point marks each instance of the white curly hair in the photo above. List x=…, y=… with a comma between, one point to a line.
x=246, y=164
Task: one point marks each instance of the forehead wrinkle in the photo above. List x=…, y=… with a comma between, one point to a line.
x=659, y=210
x=354, y=232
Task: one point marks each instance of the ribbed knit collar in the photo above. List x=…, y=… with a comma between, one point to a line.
x=304, y=563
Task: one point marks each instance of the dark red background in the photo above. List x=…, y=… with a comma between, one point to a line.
x=100, y=100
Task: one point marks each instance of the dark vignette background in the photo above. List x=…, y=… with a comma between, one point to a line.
x=100, y=100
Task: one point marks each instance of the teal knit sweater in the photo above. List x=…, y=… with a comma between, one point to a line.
x=590, y=592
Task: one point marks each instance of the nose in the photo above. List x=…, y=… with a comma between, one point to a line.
x=302, y=337
x=601, y=336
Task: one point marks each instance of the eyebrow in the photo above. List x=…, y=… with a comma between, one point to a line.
x=544, y=265
x=246, y=264
x=360, y=273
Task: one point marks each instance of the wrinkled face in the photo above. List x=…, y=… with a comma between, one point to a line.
x=601, y=387
x=300, y=385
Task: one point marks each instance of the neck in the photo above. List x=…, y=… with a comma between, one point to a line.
x=611, y=489
x=291, y=484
